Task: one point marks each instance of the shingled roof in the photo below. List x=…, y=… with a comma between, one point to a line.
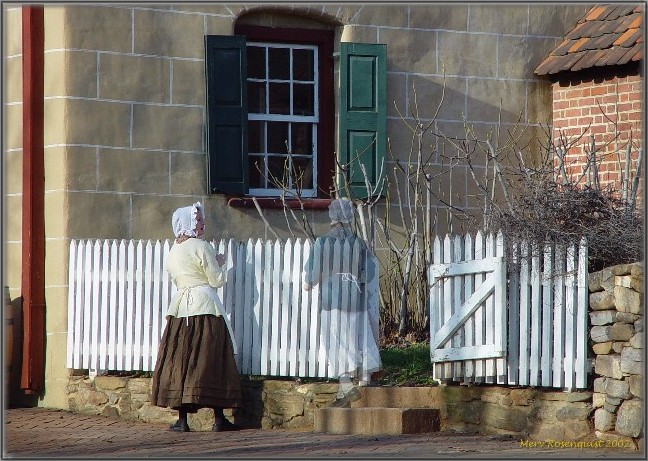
x=607, y=35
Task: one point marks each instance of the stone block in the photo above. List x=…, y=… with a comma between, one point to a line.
x=467, y=54
x=601, y=300
x=385, y=15
x=574, y=410
x=358, y=34
x=609, y=366
x=602, y=317
x=610, y=408
x=518, y=55
x=598, y=400
x=617, y=388
x=631, y=367
x=129, y=78
x=523, y=397
x=508, y=419
x=621, y=269
x=188, y=82
x=602, y=348
x=565, y=396
x=13, y=79
x=616, y=401
x=614, y=332
x=110, y=411
x=599, y=384
x=398, y=397
x=620, y=440
x=632, y=354
x=429, y=88
x=411, y=50
x=89, y=122
x=628, y=281
x=500, y=19
x=635, y=383
x=151, y=128
x=172, y=34
x=397, y=95
x=12, y=33
x=134, y=171
x=594, y=282
x=80, y=173
x=152, y=217
x=626, y=317
x=547, y=20
x=617, y=346
x=99, y=28
x=218, y=25
x=188, y=173
x=376, y=421
x=112, y=222
x=628, y=300
x=604, y=420
x=55, y=204
x=13, y=118
x=465, y=412
x=639, y=325
x=139, y=385
x=13, y=172
x=452, y=16
x=486, y=96
x=637, y=270
x=630, y=418
x=77, y=66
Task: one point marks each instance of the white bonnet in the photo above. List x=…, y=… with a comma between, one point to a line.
x=341, y=211
x=184, y=220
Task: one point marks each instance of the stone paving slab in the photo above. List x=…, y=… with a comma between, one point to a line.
x=39, y=432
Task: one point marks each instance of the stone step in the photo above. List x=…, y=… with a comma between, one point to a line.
x=398, y=397
x=376, y=420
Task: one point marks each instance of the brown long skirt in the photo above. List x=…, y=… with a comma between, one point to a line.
x=195, y=365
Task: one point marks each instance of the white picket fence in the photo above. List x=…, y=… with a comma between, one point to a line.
x=520, y=320
x=119, y=293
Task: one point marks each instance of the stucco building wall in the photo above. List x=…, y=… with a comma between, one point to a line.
x=125, y=112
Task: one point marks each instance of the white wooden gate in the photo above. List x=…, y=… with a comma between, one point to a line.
x=119, y=292
x=516, y=321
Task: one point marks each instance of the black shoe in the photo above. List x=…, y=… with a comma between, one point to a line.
x=224, y=425
x=179, y=426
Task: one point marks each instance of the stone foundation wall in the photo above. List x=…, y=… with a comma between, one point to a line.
x=529, y=413
x=525, y=412
x=268, y=404
x=617, y=319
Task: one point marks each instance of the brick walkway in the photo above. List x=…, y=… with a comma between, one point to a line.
x=38, y=432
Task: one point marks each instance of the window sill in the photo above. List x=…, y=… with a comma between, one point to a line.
x=276, y=203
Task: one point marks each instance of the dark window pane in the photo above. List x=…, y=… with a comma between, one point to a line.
x=279, y=63
x=277, y=137
x=256, y=62
x=257, y=97
x=302, y=172
x=257, y=172
x=277, y=172
x=303, y=95
x=255, y=137
x=303, y=65
x=280, y=98
x=302, y=139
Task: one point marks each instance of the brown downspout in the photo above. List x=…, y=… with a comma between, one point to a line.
x=33, y=202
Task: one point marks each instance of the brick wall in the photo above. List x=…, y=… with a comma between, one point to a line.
x=610, y=109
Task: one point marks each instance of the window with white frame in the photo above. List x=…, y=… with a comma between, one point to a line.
x=283, y=115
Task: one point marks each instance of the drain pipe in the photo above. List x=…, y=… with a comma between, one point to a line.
x=33, y=202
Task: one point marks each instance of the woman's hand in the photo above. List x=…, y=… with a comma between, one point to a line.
x=220, y=259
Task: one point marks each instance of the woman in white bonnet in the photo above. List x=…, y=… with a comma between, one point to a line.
x=341, y=214
x=195, y=365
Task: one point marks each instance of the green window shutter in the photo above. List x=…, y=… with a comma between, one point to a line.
x=362, y=123
x=226, y=89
